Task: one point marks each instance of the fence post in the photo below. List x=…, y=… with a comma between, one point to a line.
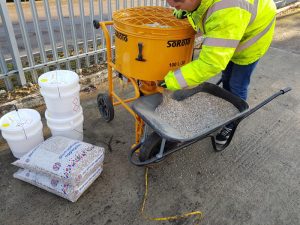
x=13, y=42
x=26, y=40
x=3, y=67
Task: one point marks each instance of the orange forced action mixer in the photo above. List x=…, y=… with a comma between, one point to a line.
x=149, y=41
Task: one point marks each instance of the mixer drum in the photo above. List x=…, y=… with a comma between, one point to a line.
x=150, y=41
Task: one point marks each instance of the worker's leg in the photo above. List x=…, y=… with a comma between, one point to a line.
x=236, y=79
x=226, y=74
x=240, y=79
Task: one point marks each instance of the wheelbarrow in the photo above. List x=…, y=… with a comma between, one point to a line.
x=165, y=139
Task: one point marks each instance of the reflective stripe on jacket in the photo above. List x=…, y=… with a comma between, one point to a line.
x=236, y=30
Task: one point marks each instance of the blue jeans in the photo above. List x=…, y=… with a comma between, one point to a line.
x=236, y=78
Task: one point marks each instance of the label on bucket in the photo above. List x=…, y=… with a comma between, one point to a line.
x=44, y=80
x=17, y=121
x=24, y=122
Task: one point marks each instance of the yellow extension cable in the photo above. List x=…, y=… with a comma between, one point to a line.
x=176, y=217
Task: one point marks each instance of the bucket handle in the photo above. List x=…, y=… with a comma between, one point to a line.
x=17, y=111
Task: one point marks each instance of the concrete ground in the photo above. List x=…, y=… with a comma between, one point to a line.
x=256, y=180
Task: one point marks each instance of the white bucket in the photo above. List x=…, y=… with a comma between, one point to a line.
x=60, y=89
x=23, y=130
x=70, y=127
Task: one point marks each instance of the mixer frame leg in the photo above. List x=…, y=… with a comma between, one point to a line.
x=139, y=123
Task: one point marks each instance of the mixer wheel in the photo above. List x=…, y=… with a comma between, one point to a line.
x=151, y=147
x=105, y=107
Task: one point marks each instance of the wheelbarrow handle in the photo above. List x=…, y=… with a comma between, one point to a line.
x=285, y=90
x=239, y=117
x=266, y=101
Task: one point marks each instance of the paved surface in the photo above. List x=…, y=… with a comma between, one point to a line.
x=256, y=180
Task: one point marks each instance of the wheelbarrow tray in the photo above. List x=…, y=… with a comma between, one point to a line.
x=145, y=107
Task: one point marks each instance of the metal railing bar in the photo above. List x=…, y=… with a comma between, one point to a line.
x=124, y=4
x=93, y=30
x=50, y=30
x=62, y=30
x=85, y=46
x=132, y=3
x=25, y=38
x=117, y=5
x=71, y=16
x=13, y=42
x=109, y=11
x=4, y=70
x=3, y=66
x=100, y=6
x=38, y=32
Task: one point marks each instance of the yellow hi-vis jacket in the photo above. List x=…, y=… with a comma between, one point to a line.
x=236, y=30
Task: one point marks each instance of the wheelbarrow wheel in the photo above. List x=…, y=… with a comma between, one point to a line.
x=151, y=147
x=105, y=107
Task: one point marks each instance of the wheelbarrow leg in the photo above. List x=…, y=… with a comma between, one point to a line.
x=145, y=133
x=162, y=147
x=219, y=81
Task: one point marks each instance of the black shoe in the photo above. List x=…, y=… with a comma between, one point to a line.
x=223, y=135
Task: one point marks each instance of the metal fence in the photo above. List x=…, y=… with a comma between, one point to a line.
x=37, y=36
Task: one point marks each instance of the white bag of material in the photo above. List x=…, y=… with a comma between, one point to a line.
x=64, y=159
x=55, y=186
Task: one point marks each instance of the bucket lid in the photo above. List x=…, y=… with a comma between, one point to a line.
x=58, y=78
x=18, y=120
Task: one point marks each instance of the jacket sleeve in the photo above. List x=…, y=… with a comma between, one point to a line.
x=224, y=26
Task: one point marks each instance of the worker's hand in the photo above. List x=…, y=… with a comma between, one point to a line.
x=162, y=84
x=180, y=14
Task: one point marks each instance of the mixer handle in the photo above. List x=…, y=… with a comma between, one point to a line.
x=140, y=55
x=96, y=24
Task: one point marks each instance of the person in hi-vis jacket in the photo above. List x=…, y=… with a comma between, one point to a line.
x=236, y=34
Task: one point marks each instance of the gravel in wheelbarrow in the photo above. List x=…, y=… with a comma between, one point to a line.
x=190, y=113
x=195, y=113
